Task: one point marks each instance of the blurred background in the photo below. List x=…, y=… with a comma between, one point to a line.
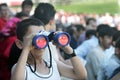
x=76, y=6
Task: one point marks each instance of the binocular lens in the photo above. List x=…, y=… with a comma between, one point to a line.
x=63, y=39
x=40, y=41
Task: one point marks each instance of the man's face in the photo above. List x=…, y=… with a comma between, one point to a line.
x=4, y=11
x=106, y=41
x=27, y=9
x=93, y=24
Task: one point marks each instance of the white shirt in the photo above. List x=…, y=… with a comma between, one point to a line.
x=106, y=71
x=86, y=47
x=52, y=75
x=93, y=62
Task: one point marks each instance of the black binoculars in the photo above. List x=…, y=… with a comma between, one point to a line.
x=42, y=39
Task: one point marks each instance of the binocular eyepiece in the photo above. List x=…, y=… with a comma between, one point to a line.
x=42, y=39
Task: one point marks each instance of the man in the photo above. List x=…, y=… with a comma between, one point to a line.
x=5, y=15
x=27, y=6
x=109, y=70
x=95, y=56
x=46, y=12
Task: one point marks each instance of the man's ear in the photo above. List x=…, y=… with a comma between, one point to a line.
x=52, y=24
x=100, y=39
x=117, y=51
x=19, y=44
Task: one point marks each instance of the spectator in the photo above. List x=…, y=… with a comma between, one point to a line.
x=111, y=64
x=27, y=69
x=83, y=49
x=90, y=33
x=80, y=33
x=72, y=31
x=27, y=6
x=96, y=54
x=5, y=15
x=91, y=24
x=4, y=47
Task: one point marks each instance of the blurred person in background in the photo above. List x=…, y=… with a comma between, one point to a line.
x=95, y=56
x=12, y=59
x=106, y=71
x=112, y=64
x=118, y=26
x=72, y=31
x=32, y=65
x=80, y=34
x=4, y=17
x=8, y=33
x=89, y=34
x=27, y=6
x=84, y=49
x=91, y=24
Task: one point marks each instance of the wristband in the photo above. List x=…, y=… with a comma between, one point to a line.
x=72, y=55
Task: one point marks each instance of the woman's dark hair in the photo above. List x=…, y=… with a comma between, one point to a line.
x=22, y=27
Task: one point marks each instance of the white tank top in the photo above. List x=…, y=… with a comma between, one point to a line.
x=53, y=74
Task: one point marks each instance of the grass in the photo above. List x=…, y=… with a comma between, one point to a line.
x=91, y=7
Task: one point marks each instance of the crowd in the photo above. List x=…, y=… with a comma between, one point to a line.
x=92, y=54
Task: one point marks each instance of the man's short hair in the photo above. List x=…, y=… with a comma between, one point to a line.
x=104, y=30
x=27, y=2
x=45, y=12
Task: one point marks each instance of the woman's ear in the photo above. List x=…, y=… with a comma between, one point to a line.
x=19, y=44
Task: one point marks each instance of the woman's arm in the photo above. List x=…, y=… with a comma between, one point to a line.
x=19, y=71
x=77, y=71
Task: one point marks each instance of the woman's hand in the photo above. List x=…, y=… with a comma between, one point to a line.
x=27, y=41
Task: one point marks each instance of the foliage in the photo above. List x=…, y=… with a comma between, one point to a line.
x=91, y=7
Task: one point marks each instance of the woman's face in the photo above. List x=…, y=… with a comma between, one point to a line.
x=35, y=51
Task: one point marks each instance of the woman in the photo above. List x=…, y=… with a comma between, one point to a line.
x=32, y=66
